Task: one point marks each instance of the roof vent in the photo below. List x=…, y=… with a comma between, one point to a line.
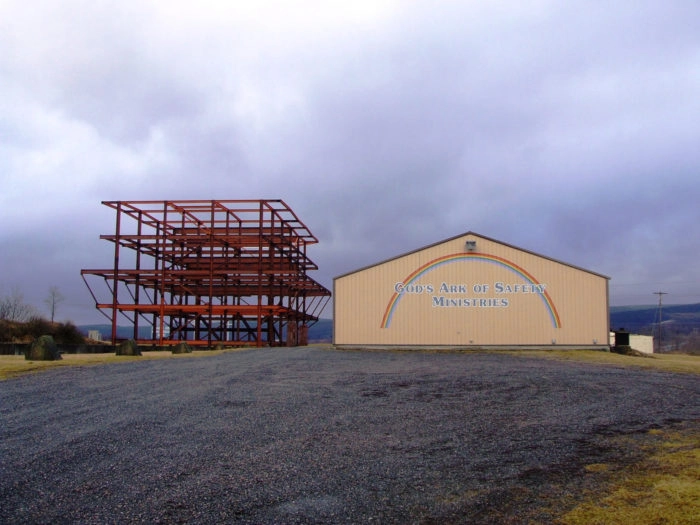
x=471, y=246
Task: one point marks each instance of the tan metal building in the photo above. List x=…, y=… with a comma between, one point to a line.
x=471, y=290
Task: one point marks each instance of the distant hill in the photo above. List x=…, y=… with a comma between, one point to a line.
x=679, y=319
x=321, y=332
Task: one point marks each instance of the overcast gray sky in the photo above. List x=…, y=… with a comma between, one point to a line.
x=571, y=129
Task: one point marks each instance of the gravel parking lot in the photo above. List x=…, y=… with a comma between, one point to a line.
x=314, y=435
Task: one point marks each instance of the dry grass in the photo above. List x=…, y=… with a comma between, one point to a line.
x=679, y=363
x=662, y=488
x=17, y=365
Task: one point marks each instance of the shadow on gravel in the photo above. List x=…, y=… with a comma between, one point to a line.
x=309, y=435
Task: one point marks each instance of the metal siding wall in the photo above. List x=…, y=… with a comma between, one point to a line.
x=580, y=298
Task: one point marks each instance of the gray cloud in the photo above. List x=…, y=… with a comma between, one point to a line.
x=567, y=129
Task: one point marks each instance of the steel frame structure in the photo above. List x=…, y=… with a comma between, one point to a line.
x=209, y=272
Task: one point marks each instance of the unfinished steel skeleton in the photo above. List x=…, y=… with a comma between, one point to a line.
x=209, y=272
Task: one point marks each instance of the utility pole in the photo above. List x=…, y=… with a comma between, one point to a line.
x=660, y=294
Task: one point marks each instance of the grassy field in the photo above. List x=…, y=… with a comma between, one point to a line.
x=663, y=487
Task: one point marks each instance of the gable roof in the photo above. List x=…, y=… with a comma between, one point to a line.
x=464, y=235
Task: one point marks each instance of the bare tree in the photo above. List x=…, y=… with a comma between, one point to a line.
x=13, y=308
x=53, y=299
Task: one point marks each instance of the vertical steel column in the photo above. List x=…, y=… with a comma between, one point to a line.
x=137, y=284
x=304, y=312
x=260, y=274
x=183, y=298
x=211, y=273
x=161, y=285
x=223, y=330
x=156, y=268
x=115, y=278
x=271, y=339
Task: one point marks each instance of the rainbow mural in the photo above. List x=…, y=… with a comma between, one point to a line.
x=470, y=257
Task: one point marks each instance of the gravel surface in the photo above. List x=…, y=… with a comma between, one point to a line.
x=313, y=435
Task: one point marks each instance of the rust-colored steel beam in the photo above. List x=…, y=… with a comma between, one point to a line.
x=210, y=272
